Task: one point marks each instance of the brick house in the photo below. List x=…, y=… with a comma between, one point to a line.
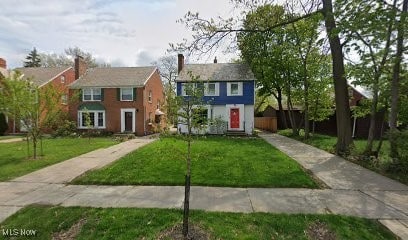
x=118, y=99
x=58, y=77
x=3, y=68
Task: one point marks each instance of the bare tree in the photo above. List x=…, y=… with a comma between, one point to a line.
x=168, y=70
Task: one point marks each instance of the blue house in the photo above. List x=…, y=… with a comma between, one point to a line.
x=229, y=90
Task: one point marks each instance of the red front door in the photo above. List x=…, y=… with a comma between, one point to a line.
x=234, y=117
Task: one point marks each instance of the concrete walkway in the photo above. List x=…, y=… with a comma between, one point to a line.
x=354, y=191
x=10, y=140
x=46, y=180
x=341, y=174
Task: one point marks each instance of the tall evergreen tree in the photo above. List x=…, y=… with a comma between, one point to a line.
x=33, y=59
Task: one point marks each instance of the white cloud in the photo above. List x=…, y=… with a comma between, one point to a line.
x=124, y=32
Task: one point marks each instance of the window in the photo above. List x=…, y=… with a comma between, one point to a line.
x=234, y=89
x=211, y=89
x=62, y=79
x=200, y=116
x=186, y=89
x=64, y=99
x=158, y=104
x=92, y=94
x=150, y=96
x=97, y=119
x=126, y=94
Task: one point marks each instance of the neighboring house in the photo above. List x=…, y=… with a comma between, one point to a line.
x=118, y=99
x=57, y=77
x=3, y=68
x=229, y=92
x=360, y=125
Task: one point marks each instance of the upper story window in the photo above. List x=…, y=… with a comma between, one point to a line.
x=91, y=94
x=234, y=89
x=212, y=89
x=150, y=96
x=158, y=104
x=62, y=79
x=64, y=99
x=187, y=88
x=126, y=94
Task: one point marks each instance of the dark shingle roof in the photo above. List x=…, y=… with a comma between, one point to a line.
x=217, y=72
x=41, y=75
x=114, y=77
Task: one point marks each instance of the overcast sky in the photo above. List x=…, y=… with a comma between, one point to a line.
x=120, y=32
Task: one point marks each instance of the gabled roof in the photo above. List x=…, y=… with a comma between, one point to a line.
x=115, y=77
x=216, y=72
x=41, y=75
x=360, y=89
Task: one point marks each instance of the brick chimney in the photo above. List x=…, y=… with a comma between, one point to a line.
x=80, y=67
x=3, y=63
x=180, y=62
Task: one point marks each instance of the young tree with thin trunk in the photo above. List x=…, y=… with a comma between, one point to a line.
x=190, y=109
x=35, y=108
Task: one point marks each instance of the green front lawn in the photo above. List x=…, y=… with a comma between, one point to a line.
x=328, y=143
x=131, y=223
x=216, y=161
x=14, y=161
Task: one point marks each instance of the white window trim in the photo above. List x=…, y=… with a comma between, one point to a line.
x=92, y=95
x=122, y=100
x=122, y=118
x=150, y=96
x=96, y=114
x=217, y=89
x=239, y=89
x=183, y=88
x=62, y=78
x=64, y=99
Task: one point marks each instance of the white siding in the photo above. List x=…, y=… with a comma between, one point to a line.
x=223, y=112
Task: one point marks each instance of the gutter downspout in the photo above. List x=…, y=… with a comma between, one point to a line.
x=354, y=127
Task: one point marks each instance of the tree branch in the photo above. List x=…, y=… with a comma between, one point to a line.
x=293, y=20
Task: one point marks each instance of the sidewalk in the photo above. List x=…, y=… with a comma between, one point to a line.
x=46, y=180
x=355, y=190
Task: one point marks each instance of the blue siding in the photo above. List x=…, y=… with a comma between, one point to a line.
x=248, y=90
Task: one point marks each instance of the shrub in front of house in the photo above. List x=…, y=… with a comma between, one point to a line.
x=66, y=129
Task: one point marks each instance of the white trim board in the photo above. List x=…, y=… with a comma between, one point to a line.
x=122, y=118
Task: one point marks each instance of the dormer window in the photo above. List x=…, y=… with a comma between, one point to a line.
x=91, y=94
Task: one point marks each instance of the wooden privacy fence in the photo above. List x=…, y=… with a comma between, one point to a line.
x=267, y=123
